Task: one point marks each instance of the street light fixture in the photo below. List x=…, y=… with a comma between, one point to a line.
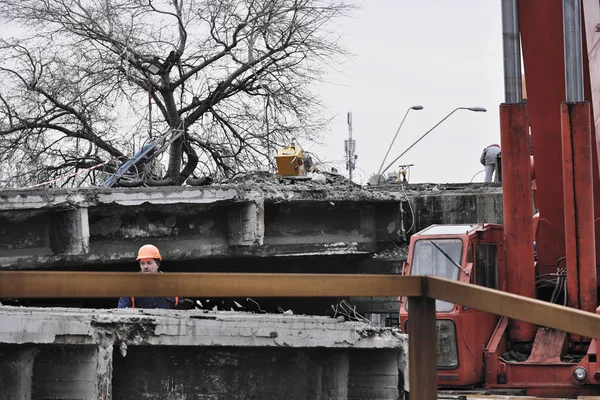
x=475, y=109
x=416, y=108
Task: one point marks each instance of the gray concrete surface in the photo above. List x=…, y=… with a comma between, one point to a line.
x=91, y=227
x=62, y=353
x=257, y=216
x=252, y=223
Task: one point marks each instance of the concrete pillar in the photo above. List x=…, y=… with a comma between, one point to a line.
x=389, y=222
x=367, y=222
x=65, y=372
x=221, y=374
x=16, y=371
x=69, y=232
x=329, y=375
x=374, y=375
x=104, y=370
x=246, y=224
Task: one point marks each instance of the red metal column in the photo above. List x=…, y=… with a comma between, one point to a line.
x=518, y=223
x=579, y=206
x=591, y=62
x=541, y=27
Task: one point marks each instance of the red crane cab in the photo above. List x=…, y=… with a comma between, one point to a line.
x=470, y=253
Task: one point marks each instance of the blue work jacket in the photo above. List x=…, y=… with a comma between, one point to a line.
x=148, y=302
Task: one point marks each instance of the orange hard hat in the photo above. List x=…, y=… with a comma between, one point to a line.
x=148, y=251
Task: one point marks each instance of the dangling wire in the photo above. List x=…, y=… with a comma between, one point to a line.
x=343, y=308
x=149, y=105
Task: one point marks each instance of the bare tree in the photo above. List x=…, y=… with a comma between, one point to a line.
x=218, y=82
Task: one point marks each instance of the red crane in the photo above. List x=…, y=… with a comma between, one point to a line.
x=555, y=127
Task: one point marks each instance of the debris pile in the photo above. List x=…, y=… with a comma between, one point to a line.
x=268, y=178
x=438, y=188
x=393, y=252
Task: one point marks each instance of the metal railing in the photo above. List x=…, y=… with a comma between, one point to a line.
x=420, y=290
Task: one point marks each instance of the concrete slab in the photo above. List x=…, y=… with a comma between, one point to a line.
x=132, y=353
x=20, y=325
x=250, y=216
x=41, y=198
x=254, y=222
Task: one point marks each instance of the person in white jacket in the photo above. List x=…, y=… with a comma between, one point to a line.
x=488, y=160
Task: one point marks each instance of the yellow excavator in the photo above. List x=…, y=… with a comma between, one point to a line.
x=291, y=161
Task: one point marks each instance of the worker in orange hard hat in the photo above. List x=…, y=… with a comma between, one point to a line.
x=149, y=258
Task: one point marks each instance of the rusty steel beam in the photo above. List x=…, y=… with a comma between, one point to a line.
x=540, y=26
x=422, y=336
x=44, y=284
x=514, y=306
x=579, y=206
x=591, y=62
x=422, y=292
x=518, y=222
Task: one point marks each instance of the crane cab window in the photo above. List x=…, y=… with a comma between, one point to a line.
x=439, y=257
x=486, y=266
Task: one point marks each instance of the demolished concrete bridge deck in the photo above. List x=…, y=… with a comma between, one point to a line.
x=254, y=223
x=254, y=216
x=168, y=354
x=83, y=227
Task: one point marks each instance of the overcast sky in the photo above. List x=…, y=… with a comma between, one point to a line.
x=436, y=53
x=440, y=54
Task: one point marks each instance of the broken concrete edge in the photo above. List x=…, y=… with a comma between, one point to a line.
x=22, y=325
x=78, y=237
x=68, y=199
x=99, y=258
x=59, y=350
x=437, y=188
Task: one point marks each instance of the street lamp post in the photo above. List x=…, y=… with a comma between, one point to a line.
x=475, y=109
x=416, y=108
